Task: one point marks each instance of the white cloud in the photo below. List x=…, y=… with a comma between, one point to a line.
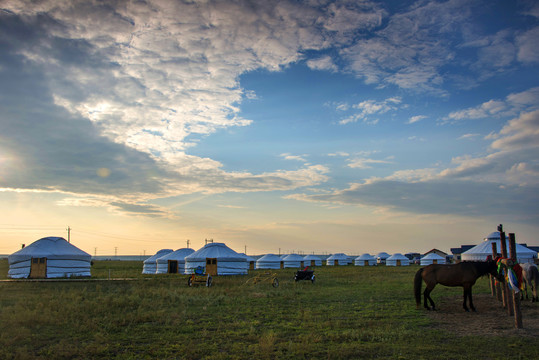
x=368, y=108
x=416, y=118
x=288, y=156
x=323, y=63
x=528, y=46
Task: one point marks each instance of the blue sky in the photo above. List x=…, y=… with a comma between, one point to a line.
x=306, y=126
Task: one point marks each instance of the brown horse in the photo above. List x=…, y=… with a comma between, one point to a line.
x=462, y=274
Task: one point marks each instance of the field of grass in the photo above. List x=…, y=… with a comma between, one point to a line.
x=348, y=313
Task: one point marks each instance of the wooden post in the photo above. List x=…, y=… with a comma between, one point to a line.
x=494, y=284
x=508, y=299
x=516, y=295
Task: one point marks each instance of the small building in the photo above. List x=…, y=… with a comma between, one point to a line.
x=365, y=260
x=437, y=252
x=173, y=262
x=293, y=261
x=49, y=257
x=217, y=259
x=338, y=259
x=269, y=261
x=432, y=258
x=397, y=259
x=381, y=257
x=150, y=264
x=250, y=262
x=457, y=252
x=312, y=260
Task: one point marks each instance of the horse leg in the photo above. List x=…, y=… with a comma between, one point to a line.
x=426, y=296
x=468, y=295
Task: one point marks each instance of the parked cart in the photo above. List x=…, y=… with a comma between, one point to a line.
x=305, y=274
x=264, y=277
x=199, y=276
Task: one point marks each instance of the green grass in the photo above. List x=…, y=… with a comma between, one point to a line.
x=349, y=313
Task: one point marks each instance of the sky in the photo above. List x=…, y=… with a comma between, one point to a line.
x=272, y=126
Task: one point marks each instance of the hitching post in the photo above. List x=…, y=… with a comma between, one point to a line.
x=508, y=299
x=494, y=284
x=516, y=295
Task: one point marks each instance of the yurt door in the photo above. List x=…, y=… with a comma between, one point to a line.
x=313, y=262
x=173, y=266
x=251, y=265
x=398, y=263
x=38, y=268
x=366, y=262
x=211, y=266
x=336, y=262
x=435, y=261
x=282, y=264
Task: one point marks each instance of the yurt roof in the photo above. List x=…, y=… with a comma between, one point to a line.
x=338, y=256
x=485, y=248
x=215, y=250
x=397, y=256
x=382, y=255
x=365, y=257
x=247, y=257
x=179, y=254
x=293, y=257
x=311, y=257
x=51, y=248
x=270, y=258
x=433, y=256
x=157, y=255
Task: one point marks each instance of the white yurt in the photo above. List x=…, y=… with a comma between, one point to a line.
x=365, y=260
x=293, y=261
x=173, y=262
x=381, y=257
x=217, y=259
x=312, y=260
x=397, y=260
x=249, y=261
x=338, y=259
x=481, y=251
x=432, y=258
x=269, y=261
x=150, y=264
x=49, y=257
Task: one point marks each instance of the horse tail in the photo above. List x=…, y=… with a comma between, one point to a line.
x=417, y=286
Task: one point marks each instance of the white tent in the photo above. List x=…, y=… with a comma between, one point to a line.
x=365, y=260
x=481, y=251
x=173, y=262
x=293, y=261
x=312, y=260
x=49, y=257
x=150, y=264
x=381, y=257
x=338, y=259
x=397, y=260
x=269, y=261
x=217, y=259
x=249, y=261
x=432, y=258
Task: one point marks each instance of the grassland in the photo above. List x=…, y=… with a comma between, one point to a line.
x=349, y=313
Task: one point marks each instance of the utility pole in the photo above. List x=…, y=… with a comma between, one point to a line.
x=115, y=251
x=68, y=234
x=188, y=243
x=245, y=249
x=95, y=252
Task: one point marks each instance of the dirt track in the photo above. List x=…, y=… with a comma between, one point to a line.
x=490, y=318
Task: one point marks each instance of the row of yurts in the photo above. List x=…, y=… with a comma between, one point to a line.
x=54, y=257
